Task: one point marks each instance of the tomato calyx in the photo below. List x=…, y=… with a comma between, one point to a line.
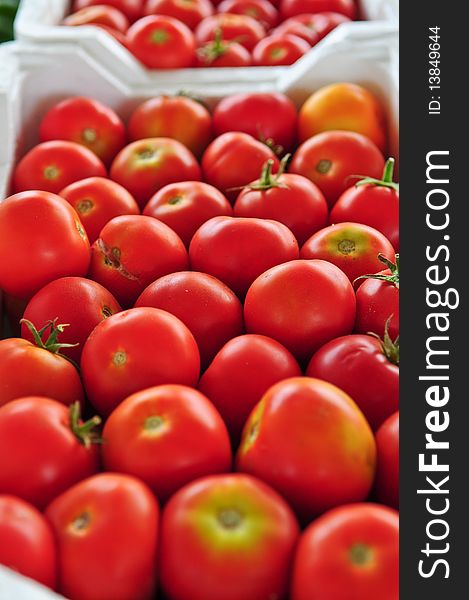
x=393, y=267
x=277, y=149
x=385, y=181
x=84, y=431
x=267, y=180
x=213, y=50
x=361, y=555
x=52, y=343
x=230, y=518
x=111, y=257
x=89, y=135
x=390, y=348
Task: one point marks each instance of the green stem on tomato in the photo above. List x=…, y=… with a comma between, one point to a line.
x=385, y=181
x=84, y=432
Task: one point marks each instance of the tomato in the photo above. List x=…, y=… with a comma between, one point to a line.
x=298, y=29
x=100, y=15
x=359, y=545
x=227, y=537
x=290, y=199
x=290, y=8
x=76, y=301
x=190, y=12
x=132, y=9
x=233, y=160
x=321, y=23
x=51, y=166
x=387, y=474
x=239, y=28
x=277, y=50
x=117, y=35
x=27, y=543
x=145, y=166
x=237, y=250
x=328, y=457
x=269, y=117
x=330, y=159
x=345, y=106
x=187, y=205
x=261, y=10
x=177, y=117
x=352, y=247
x=373, y=202
x=106, y=529
x=41, y=239
x=136, y=349
x=44, y=449
x=366, y=369
x=302, y=304
x=167, y=436
x=219, y=53
x=242, y=371
x=208, y=308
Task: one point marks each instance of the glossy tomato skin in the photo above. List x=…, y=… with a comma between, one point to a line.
x=40, y=454
x=290, y=8
x=223, y=54
x=227, y=537
x=279, y=49
x=377, y=301
x=131, y=8
x=136, y=349
x=302, y=304
x=208, y=308
x=358, y=366
x=107, y=527
x=239, y=28
x=321, y=23
x=387, y=474
x=359, y=545
x=41, y=239
x=261, y=10
x=98, y=15
x=237, y=250
x=331, y=158
x=167, y=436
x=239, y=375
x=131, y=252
x=296, y=28
x=27, y=543
x=189, y=12
x=327, y=459
x=79, y=302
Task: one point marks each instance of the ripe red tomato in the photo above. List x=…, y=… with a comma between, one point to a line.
x=177, y=117
x=387, y=474
x=352, y=247
x=238, y=28
x=27, y=543
x=290, y=8
x=136, y=349
x=328, y=457
x=237, y=250
x=161, y=42
x=373, y=202
x=187, y=205
x=298, y=29
x=117, y=35
x=107, y=527
x=227, y=537
x=330, y=159
x=359, y=545
x=321, y=23
x=269, y=117
x=190, y=12
x=167, y=436
x=51, y=166
x=79, y=302
x=41, y=239
x=131, y=8
x=261, y=10
x=44, y=449
x=366, y=369
x=279, y=49
x=219, y=53
x=240, y=374
x=302, y=304
x=98, y=15
x=145, y=166
x=208, y=308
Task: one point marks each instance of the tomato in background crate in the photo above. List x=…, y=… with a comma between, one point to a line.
x=290, y=8
x=261, y=10
x=131, y=8
x=98, y=15
x=321, y=23
x=279, y=49
x=238, y=28
x=220, y=53
x=298, y=29
x=386, y=487
x=190, y=12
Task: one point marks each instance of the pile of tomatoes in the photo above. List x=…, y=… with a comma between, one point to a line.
x=201, y=400
x=174, y=34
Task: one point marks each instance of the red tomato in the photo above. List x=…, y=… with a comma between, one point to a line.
x=27, y=543
x=208, y=308
x=233, y=160
x=328, y=457
x=117, y=35
x=302, y=304
x=373, y=202
x=220, y=53
x=227, y=537
x=131, y=252
x=240, y=374
x=277, y=50
x=167, y=436
x=41, y=239
x=161, y=42
x=353, y=548
x=291, y=199
x=145, y=166
x=190, y=12
x=237, y=250
x=366, y=369
x=269, y=117
x=290, y=8
x=136, y=349
x=44, y=449
x=261, y=10
x=131, y=8
x=106, y=527
x=298, y=29
x=239, y=28
x=352, y=247
x=321, y=23
x=99, y=15
x=330, y=159
x=77, y=301
x=187, y=205
x=387, y=474
x=51, y=166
